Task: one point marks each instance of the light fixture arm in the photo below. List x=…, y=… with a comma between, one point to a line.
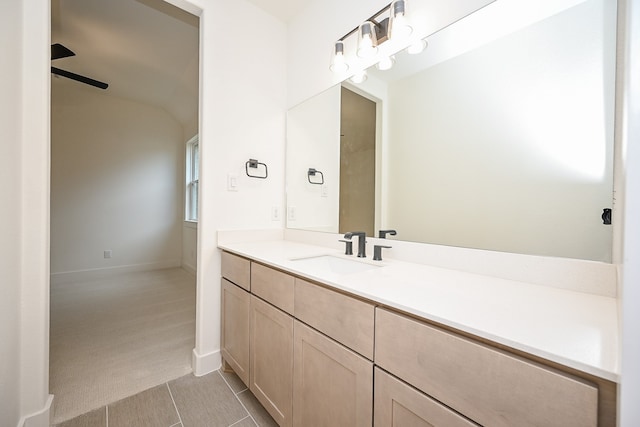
x=381, y=27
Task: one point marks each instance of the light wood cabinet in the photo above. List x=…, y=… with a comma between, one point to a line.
x=397, y=404
x=271, y=370
x=485, y=384
x=307, y=353
x=235, y=329
x=236, y=269
x=332, y=386
x=273, y=286
x=345, y=319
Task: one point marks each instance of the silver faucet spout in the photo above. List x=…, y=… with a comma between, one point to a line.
x=362, y=236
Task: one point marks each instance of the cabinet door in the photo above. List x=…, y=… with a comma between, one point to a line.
x=332, y=385
x=397, y=404
x=235, y=329
x=272, y=360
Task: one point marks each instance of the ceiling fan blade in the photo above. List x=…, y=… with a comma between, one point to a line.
x=79, y=78
x=59, y=51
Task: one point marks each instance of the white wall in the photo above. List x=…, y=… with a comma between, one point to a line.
x=510, y=144
x=10, y=214
x=24, y=211
x=242, y=116
x=116, y=182
x=313, y=135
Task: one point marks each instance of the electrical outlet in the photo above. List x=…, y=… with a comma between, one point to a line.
x=291, y=213
x=324, y=190
x=275, y=213
x=108, y=253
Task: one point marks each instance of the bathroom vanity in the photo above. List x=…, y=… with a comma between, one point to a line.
x=321, y=338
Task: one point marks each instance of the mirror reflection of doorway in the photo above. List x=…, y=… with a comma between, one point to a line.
x=357, y=163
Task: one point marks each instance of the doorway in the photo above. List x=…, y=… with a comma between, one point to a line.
x=117, y=200
x=357, y=163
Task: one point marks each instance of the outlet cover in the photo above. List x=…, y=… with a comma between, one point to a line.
x=108, y=253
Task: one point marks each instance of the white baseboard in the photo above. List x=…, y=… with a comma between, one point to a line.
x=41, y=418
x=202, y=364
x=101, y=272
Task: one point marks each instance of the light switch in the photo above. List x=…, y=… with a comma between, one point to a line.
x=232, y=182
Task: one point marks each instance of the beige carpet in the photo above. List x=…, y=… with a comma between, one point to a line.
x=117, y=335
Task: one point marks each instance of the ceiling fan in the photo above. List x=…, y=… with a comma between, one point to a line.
x=59, y=51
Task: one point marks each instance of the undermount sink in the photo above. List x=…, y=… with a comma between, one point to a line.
x=333, y=264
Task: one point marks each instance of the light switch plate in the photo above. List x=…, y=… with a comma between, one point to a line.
x=232, y=182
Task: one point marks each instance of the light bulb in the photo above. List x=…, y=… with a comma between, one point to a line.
x=386, y=63
x=399, y=27
x=338, y=62
x=417, y=47
x=359, y=77
x=367, y=40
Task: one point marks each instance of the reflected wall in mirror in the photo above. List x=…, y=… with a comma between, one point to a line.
x=499, y=139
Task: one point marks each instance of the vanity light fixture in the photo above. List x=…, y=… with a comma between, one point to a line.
x=386, y=63
x=417, y=47
x=399, y=27
x=359, y=77
x=367, y=40
x=389, y=23
x=338, y=63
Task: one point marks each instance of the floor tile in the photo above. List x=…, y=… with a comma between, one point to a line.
x=257, y=411
x=247, y=422
x=97, y=418
x=234, y=381
x=206, y=401
x=153, y=408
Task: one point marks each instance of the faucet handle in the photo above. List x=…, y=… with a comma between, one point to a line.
x=348, y=250
x=377, y=252
x=382, y=234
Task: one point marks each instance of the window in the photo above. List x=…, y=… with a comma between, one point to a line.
x=193, y=173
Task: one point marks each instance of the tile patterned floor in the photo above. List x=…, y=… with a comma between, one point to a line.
x=218, y=399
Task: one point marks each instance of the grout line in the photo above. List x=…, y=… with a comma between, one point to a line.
x=229, y=385
x=236, y=396
x=239, y=421
x=174, y=406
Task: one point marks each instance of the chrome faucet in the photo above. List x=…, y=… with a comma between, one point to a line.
x=361, y=241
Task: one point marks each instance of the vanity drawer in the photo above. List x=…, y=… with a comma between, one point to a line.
x=487, y=385
x=236, y=269
x=345, y=319
x=398, y=404
x=272, y=286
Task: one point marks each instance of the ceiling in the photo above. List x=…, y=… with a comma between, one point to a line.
x=146, y=50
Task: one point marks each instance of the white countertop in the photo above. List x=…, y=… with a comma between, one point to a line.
x=575, y=329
